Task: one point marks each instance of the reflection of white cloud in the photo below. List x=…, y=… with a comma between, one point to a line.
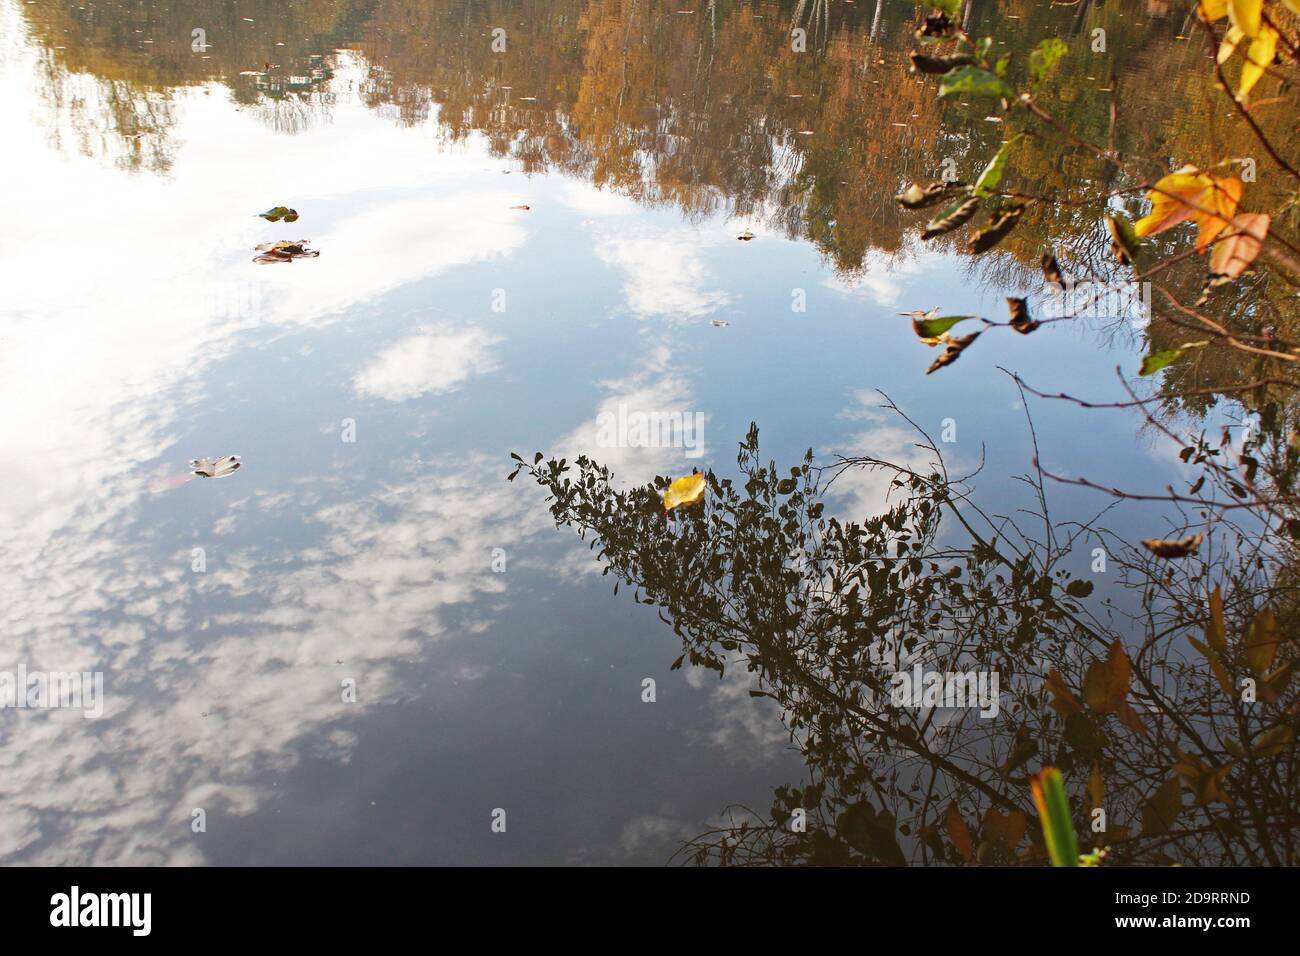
x=745, y=728
x=435, y=361
x=880, y=279
x=588, y=200
x=200, y=708
x=863, y=492
x=657, y=387
x=103, y=361
x=665, y=271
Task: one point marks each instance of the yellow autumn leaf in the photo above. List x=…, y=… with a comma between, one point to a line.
x=685, y=491
x=1192, y=194
x=1222, y=197
x=1259, y=55
x=1246, y=15
x=1166, y=209
x=1229, y=44
x=1211, y=10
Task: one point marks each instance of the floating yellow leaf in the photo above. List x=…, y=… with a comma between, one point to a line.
x=685, y=491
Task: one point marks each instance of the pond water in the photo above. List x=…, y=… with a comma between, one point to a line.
x=361, y=643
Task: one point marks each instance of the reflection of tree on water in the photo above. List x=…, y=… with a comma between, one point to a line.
x=706, y=112
x=1157, y=736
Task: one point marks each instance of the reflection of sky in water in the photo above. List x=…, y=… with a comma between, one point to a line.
x=137, y=334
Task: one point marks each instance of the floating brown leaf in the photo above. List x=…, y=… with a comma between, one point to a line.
x=1005, y=829
x=1063, y=702
x=937, y=27
x=285, y=251
x=1052, y=270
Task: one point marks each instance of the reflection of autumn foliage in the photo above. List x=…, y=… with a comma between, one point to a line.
x=710, y=110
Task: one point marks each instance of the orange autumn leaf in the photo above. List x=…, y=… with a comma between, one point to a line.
x=1191, y=194
x=1222, y=198
x=1238, y=247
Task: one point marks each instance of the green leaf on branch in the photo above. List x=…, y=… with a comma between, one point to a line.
x=992, y=175
x=976, y=81
x=1158, y=360
x=933, y=328
x=958, y=214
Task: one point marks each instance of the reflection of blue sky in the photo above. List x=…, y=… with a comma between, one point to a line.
x=137, y=334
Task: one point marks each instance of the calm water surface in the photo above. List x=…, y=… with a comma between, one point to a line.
x=441, y=328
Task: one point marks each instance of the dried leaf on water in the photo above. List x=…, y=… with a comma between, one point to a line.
x=285, y=251
x=277, y=213
x=215, y=467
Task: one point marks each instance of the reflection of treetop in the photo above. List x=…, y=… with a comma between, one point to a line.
x=707, y=111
